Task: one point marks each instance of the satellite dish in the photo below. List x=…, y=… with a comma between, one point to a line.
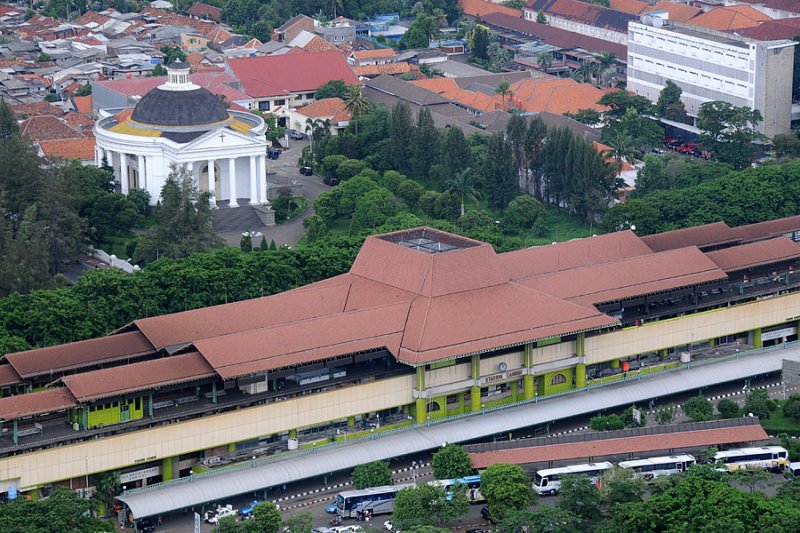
x=658, y=22
x=647, y=20
x=503, y=367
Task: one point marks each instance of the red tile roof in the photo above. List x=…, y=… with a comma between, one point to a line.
x=200, y=9
x=318, y=44
x=630, y=277
x=83, y=103
x=327, y=107
x=143, y=375
x=56, y=359
x=573, y=254
x=374, y=54
x=584, y=12
x=35, y=403
x=481, y=8
x=8, y=376
x=701, y=236
x=281, y=74
x=677, y=12
x=634, y=7
x=47, y=128
x=755, y=254
x=216, y=82
x=768, y=229
x=391, y=69
x=784, y=5
x=620, y=446
x=556, y=95
x=773, y=30
x=38, y=108
x=730, y=18
x=82, y=148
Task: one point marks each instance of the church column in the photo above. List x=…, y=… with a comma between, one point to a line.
x=262, y=178
x=232, y=182
x=253, y=181
x=123, y=172
x=142, y=171
x=98, y=156
x=211, y=176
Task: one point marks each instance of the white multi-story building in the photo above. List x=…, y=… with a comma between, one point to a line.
x=710, y=65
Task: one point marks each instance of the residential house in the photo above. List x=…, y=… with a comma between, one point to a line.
x=288, y=80
x=327, y=109
x=205, y=11
x=80, y=148
x=289, y=29
x=774, y=9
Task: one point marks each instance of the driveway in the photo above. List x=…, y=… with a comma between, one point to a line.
x=284, y=171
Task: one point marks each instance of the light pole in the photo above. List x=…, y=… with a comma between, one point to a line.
x=414, y=471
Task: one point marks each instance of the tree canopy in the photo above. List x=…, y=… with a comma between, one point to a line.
x=374, y=474
x=451, y=462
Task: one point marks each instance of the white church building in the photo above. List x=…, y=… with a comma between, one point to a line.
x=180, y=123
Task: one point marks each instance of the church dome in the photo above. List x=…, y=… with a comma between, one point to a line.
x=179, y=103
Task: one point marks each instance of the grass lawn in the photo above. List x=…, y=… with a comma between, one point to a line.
x=778, y=423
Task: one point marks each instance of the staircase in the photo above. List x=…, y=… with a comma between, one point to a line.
x=244, y=218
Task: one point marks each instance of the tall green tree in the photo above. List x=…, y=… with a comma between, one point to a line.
x=451, y=462
x=426, y=144
x=356, y=104
x=698, y=408
x=506, y=487
x=183, y=221
x=402, y=136
x=729, y=131
x=8, y=121
x=580, y=497
x=426, y=505
x=374, y=474
x=499, y=174
x=456, y=154
x=266, y=518
x=669, y=103
x=463, y=185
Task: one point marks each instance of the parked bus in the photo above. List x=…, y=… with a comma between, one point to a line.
x=769, y=457
x=548, y=481
x=649, y=469
x=471, y=484
x=375, y=500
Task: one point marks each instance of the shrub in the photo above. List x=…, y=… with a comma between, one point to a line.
x=728, y=409
x=698, y=409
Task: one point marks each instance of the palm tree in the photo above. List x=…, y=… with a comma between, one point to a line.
x=608, y=78
x=545, y=60
x=583, y=73
x=504, y=89
x=621, y=149
x=463, y=184
x=356, y=104
x=607, y=59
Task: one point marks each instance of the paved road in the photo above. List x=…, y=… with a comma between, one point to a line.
x=284, y=171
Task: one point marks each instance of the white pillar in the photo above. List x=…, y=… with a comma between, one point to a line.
x=253, y=181
x=211, y=179
x=262, y=179
x=232, y=183
x=123, y=172
x=98, y=159
x=140, y=160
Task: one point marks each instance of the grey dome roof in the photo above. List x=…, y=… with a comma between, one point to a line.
x=197, y=107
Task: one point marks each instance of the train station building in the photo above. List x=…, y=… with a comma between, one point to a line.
x=425, y=326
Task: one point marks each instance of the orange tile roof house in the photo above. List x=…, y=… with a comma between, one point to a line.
x=291, y=79
x=479, y=8
x=80, y=148
x=332, y=109
x=730, y=19
x=423, y=318
x=205, y=11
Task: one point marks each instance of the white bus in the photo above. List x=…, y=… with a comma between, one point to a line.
x=769, y=457
x=654, y=467
x=376, y=500
x=548, y=481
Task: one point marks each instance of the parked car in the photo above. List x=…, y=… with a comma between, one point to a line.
x=248, y=510
x=296, y=135
x=327, y=180
x=273, y=154
x=306, y=171
x=145, y=525
x=331, y=508
x=220, y=513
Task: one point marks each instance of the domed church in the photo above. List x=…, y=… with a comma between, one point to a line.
x=184, y=124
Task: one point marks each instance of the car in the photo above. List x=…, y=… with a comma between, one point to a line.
x=331, y=508
x=220, y=513
x=273, y=153
x=306, y=171
x=145, y=525
x=296, y=135
x=248, y=510
x=321, y=530
x=327, y=180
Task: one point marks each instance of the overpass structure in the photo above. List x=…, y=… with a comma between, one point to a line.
x=291, y=467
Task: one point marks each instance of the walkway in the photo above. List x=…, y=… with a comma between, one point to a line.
x=285, y=170
x=290, y=467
